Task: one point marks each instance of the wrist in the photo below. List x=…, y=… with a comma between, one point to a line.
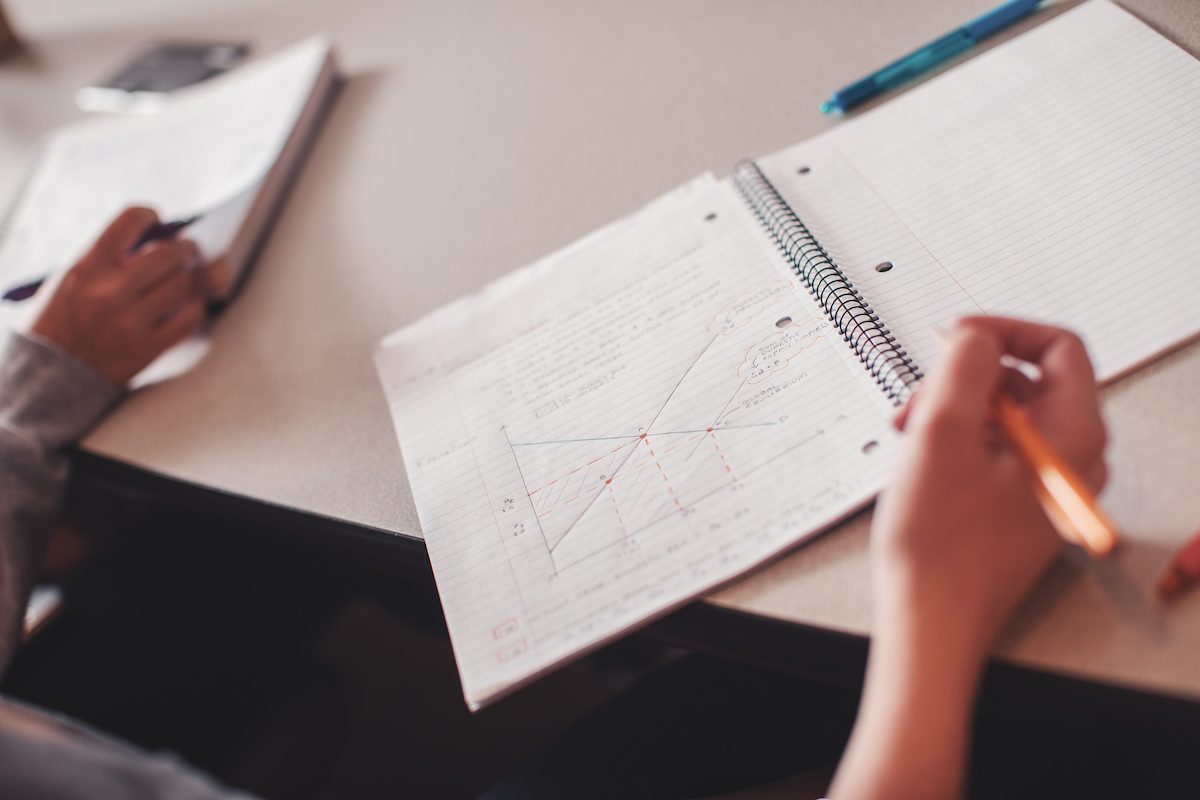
x=929, y=646
x=47, y=394
x=935, y=610
x=913, y=728
x=940, y=651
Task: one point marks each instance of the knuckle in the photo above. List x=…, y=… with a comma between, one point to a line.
x=145, y=257
x=172, y=250
x=178, y=279
x=1072, y=343
x=127, y=327
x=138, y=215
x=187, y=321
x=195, y=309
x=184, y=253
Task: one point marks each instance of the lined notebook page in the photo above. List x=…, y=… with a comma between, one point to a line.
x=608, y=433
x=1055, y=177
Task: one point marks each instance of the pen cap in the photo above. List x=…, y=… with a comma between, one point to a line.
x=998, y=18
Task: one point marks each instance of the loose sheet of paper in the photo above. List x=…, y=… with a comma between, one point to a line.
x=1054, y=177
x=622, y=426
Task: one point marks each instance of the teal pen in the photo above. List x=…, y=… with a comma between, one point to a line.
x=929, y=56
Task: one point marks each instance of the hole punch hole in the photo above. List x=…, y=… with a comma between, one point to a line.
x=783, y=322
x=870, y=447
x=710, y=216
x=884, y=266
x=803, y=170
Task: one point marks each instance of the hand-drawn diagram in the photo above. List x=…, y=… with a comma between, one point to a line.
x=613, y=487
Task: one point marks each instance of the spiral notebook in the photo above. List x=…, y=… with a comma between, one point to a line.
x=625, y=424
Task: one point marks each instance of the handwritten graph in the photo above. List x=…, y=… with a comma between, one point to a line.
x=609, y=488
x=597, y=442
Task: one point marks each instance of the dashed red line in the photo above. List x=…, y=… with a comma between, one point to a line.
x=612, y=493
x=721, y=453
x=678, y=505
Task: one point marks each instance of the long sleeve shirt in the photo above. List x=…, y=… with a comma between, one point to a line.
x=47, y=400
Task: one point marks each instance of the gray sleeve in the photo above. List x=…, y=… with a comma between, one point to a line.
x=47, y=400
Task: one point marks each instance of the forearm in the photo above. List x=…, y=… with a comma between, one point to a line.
x=46, y=401
x=31, y=485
x=912, y=735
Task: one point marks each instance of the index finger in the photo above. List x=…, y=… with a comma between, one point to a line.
x=1059, y=352
x=123, y=233
x=1065, y=402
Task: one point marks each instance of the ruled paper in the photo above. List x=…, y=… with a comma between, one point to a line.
x=1056, y=177
x=622, y=426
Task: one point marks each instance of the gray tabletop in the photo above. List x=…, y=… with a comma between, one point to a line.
x=472, y=138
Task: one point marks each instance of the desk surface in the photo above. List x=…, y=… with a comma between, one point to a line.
x=472, y=138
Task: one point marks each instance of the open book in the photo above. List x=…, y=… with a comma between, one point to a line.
x=603, y=435
x=224, y=149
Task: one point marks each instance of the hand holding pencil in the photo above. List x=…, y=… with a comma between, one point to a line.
x=1064, y=495
x=962, y=534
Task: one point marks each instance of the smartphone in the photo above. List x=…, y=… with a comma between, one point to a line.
x=142, y=85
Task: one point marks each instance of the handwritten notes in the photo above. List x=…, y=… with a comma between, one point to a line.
x=622, y=426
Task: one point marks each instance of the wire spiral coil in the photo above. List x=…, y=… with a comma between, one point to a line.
x=859, y=325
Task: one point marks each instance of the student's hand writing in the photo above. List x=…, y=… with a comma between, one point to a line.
x=960, y=537
x=958, y=540
x=117, y=310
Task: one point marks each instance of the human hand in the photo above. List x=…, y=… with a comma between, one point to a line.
x=117, y=310
x=960, y=538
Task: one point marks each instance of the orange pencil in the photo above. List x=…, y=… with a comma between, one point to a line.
x=1066, y=499
x=1183, y=572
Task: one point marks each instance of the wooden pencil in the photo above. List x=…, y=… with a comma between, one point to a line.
x=1071, y=506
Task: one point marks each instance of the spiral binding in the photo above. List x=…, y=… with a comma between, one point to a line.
x=860, y=326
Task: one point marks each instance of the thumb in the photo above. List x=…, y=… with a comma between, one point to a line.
x=961, y=390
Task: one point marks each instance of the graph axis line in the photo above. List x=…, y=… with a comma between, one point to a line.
x=528, y=497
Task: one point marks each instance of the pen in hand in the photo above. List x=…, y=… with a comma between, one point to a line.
x=156, y=232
